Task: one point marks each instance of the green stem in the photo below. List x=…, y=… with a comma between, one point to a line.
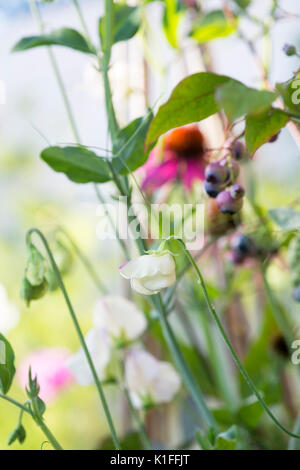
x=79, y=333
x=85, y=261
x=41, y=423
x=36, y=14
x=182, y=365
x=82, y=20
x=140, y=427
x=108, y=215
x=232, y=351
x=109, y=20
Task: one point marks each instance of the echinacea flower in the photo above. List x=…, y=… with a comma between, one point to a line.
x=148, y=380
x=122, y=320
x=180, y=157
x=49, y=365
x=149, y=274
x=99, y=347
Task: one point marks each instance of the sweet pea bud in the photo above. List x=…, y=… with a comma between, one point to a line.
x=289, y=50
x=36, y=266
x=29, y=292
x=18, y=433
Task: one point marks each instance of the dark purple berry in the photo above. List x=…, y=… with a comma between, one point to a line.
x=289, y=50
x=237, y=191
x=296, y=294
x=226, y=203
x=239, y=151
x=242, y=244
x=216, y=173
x=212, y=189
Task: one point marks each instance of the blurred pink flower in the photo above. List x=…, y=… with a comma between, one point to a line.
x=180, y=157
x=49, y=365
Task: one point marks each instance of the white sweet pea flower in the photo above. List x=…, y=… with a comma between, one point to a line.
x=99, y=346
x=123, y=321
x=149, y=274
x=149, y=381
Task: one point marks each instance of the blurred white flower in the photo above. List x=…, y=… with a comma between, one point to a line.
x=122, y=320
x=99, y=346
x=149, y=381
x=149, y=274
x=9, y=314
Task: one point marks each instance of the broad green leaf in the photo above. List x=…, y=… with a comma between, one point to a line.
x=192, y=100
x=126, y=23
x=251, y=412
x=261, y=127
x=227, y=440
x=2, y=352
x=286, y=218
x=7, y=367
x=61, y=37
x=130, y=144
x=212, y=26
x=290, y=92
x=172, y=15
x=237, y=99
x=79, y=164
x=242, y=3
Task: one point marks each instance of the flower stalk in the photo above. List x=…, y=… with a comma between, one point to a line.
x=79, y=333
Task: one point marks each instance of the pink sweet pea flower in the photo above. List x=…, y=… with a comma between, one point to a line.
x=180, y=158
x=49, y=365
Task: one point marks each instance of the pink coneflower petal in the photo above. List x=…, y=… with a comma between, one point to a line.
x=48, y=365
x=194, y=171
x=160, y=174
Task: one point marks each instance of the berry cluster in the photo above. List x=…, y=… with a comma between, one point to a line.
x=220, y=181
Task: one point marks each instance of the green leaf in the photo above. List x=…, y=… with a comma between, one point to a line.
x=251, y=412
x=130, y=144
x=79, y=164
x=212, y=26
x=18, y=433
x=237, y=99
x=261, y=127
x=192, y=100
x=126, y=23
x=290, y=92
x=172, y=15
x=242, y=3
x=7, y=367
x=286, y=218
x=61, y=37
x=227, y=440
